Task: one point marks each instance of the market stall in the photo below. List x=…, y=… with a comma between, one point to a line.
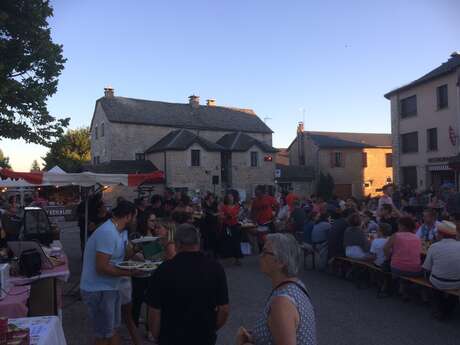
x=41, y=294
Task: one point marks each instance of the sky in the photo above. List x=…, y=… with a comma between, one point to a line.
x=326, y=62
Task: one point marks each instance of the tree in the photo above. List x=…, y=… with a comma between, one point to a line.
x=4, y=161
x=70, y=151
x=29, y=67
x=325, y=186
x=35, y=166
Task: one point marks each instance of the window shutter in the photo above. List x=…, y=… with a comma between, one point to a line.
x=332, y=159
x=342, y=156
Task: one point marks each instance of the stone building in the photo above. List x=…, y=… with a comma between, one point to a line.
x=425, y=125
x=359, y=163
x=199, y=147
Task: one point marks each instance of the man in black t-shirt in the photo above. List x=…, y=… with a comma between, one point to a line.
x=386, y=216
x=187, y=295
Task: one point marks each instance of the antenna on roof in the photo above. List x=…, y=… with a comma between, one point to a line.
x=303, y=110
x=266, y=119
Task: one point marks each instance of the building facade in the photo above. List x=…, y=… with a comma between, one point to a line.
x=199, y=147
x=425, y=125
x=359, y=163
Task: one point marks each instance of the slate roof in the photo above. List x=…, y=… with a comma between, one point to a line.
x=180, y=140
x=295, y=173
x=122, y=167
x=349, y=140
x=447, y=67
x=239, y=141
x=138, y=111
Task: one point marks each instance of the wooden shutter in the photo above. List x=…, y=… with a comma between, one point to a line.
x=342, y=156
x=332, y=154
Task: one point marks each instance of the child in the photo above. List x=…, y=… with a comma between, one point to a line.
x=383, y=233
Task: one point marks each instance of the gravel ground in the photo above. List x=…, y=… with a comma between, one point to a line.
x=345, y=315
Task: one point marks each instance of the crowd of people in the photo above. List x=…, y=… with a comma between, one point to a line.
x=187, y=296
x=412, y=241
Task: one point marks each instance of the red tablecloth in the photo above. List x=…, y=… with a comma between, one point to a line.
x=14, y=305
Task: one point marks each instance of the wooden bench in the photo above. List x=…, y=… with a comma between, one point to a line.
x=360, y=263
x=421, y=281
x=426, y=283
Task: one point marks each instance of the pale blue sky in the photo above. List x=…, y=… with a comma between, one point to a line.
x=335, y=59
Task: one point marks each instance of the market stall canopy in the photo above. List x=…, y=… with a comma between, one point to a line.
x=82, y=179
x=57, y=170
x=9, y=183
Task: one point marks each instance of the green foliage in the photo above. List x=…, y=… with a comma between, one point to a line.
x=4, y=161
x=70, y=151
x=35, y=166
x=325, y=186
x=30, y=64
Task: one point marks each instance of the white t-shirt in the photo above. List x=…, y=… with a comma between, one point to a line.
x=385, y=199
x=377, y=249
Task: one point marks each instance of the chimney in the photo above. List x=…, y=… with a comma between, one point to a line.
x=211, y=102
x=300, y=127
x=194, y=101
x=301, y=143
x=108, y=91
x=455, y=54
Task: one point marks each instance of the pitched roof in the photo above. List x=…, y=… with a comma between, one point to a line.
x=139, y=111
x=239, y=141
x=180, y=140
x=295, y=173
x=447, y=67
x=349, y=140
x=122, y=167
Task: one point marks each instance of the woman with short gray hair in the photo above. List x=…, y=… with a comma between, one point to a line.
x=288, y=317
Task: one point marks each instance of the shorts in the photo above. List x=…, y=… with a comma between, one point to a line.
x=104, y=311
x=126, y=291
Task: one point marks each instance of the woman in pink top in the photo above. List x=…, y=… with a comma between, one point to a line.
x=405, y=248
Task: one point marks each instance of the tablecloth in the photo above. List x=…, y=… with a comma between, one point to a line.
x=15, y=303
x=60, y=272
x=44, y=330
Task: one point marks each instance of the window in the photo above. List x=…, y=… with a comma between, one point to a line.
x=364, y=159
x=102, y=129
x=388, y=160
x=337, y=160
x=195, y=158
x=409, y=176
x=441, y=95
x=254, y=159
x=95, y=132
x=140, y=156
x=409, y=142
x=96, y=160
x=432, y=139
x=408, y=106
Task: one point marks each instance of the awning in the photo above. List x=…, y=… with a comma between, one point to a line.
x=82, y=179
x=454, y=162
x=442, y=167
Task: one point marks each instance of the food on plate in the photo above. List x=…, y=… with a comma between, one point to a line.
x=129, y=264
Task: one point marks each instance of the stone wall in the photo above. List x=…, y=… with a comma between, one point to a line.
x=180, y=173
x=246, y=177
x=101, y=146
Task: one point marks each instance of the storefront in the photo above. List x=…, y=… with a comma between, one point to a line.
x=439, y=175
x=454, y=164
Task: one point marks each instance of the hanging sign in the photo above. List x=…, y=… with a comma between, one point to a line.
x=452, y=136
